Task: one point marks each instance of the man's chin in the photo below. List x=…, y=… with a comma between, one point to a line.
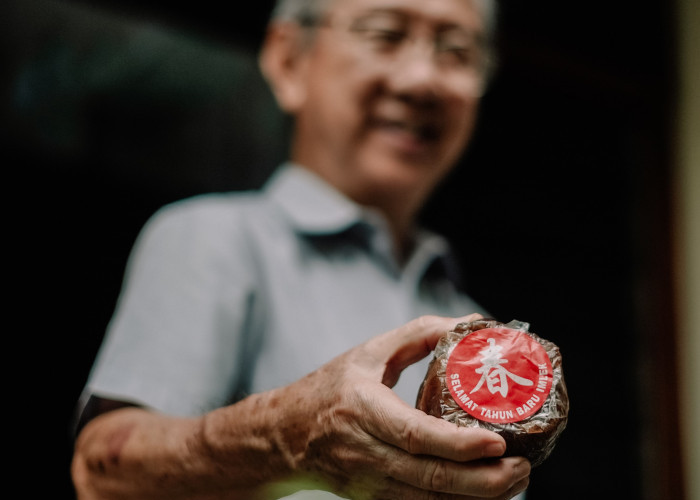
x=401, y=176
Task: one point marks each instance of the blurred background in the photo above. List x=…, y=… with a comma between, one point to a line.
x=575, y=207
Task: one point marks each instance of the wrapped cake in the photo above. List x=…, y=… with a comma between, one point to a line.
x=503, y=378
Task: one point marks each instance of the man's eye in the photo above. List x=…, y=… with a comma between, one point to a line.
x=382, y=29
x=382, y=35
x=466, y=54
x=461, y=54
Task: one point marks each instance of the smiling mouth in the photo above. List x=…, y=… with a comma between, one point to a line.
x=414, y=131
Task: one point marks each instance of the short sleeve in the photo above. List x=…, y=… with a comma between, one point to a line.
x=177, y=337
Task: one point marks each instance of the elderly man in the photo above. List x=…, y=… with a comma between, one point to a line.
x=245, y=359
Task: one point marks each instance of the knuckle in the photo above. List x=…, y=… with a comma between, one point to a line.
x=427, y=320
x=412, y=433
x=437, y=477
x=472, y=317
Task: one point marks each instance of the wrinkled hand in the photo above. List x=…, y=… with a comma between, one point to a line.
x=343, y=425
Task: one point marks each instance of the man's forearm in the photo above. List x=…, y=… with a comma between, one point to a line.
x=227, y=454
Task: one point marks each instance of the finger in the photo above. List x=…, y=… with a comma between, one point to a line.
x=401, y=491
x=500, y=479
x=393, y=421
x=412, y=342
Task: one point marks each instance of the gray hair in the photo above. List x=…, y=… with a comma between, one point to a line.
x=307, y=12
x=301, y=11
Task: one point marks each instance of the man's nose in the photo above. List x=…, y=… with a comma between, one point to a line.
x=415, y=70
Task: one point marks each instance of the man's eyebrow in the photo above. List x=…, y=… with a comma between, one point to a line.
x=447, y=28
x=380, y=10
x=442, y=25
x=388, y=11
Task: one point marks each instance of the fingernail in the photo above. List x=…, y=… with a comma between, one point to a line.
x=522, y=469
x=494, y=449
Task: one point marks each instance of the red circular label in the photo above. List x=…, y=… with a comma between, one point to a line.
x=499, y=375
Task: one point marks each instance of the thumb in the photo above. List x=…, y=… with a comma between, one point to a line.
x=412, y=342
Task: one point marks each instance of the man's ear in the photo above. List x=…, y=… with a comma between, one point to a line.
x=282, y=61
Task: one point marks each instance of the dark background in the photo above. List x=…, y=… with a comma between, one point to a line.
x=559, y=209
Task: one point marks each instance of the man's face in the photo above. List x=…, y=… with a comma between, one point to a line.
x=390, y=97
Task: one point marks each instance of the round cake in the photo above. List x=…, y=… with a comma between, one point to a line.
x=503, y=378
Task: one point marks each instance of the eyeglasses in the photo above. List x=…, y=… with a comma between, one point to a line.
x=384, y=34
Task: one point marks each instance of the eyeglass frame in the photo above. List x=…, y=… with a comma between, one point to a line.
x=311, y=21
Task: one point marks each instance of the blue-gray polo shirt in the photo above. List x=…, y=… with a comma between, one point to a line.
x=227, y=294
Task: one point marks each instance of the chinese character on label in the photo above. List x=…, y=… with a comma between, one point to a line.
x=493, y=373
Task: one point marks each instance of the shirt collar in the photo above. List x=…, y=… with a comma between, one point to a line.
x=315, y=208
